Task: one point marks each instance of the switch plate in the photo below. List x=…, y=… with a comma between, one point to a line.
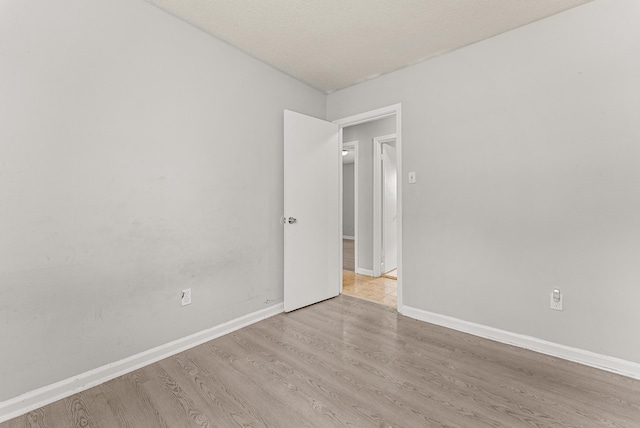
x=555, y=301
x=412, y=177
x=186, y=297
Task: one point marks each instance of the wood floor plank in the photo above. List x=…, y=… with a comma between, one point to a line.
x=546, y=378
x=347, y=362
x=347, y=410
x=174, y=404
x=137, y=406
x=248, y=385
x=54, y=415
x=542, y=408
x=35, y=419
x=105, y=411
x=359, y=377
x=241, y=409
x=129, y=413
x=376, y=366
x=284, y=386
x=204, y=391
x=80, y=417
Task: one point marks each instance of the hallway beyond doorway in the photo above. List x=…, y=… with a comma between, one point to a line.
x=379, y=290
x=393, y=274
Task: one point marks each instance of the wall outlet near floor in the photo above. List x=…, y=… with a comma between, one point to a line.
x=186, y=296
x=556, y=300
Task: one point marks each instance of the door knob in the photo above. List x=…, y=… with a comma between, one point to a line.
x=292, y=220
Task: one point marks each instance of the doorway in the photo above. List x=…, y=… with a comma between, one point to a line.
x=367, y=276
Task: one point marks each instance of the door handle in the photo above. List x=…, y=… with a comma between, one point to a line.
x=292, y=220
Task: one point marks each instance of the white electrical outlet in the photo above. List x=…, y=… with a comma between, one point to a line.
x=186, y=296
x=555, y=302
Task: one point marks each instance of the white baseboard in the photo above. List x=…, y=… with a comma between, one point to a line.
x=588, y=358
x=362, y=271
x=351, y=238
x=32, y=400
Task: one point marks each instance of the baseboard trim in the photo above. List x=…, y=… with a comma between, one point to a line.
x=362, y=271
x=581, y=356
x=32, y=400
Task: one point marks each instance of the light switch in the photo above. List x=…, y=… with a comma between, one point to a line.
x=412, y=177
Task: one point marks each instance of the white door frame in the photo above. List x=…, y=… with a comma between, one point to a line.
x=369, y=116
x=377, y=200
x=352, y=145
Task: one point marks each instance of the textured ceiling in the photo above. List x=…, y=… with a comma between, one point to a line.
x=332, y=44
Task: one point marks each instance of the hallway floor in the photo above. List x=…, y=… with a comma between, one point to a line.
x=380, y=290
x=391, y=274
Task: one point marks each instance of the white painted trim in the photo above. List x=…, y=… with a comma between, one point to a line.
x=350, y=238
x=32, y=400
x=581, y=356
x=340, y=209
x=377, y=200
x=356, y=209
x=368, y=116
x=395, y=109
x=363, y=271
x=399, y=170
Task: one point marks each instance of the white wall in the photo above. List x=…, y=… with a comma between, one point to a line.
x=348, y=199
x=364, y=134
x=138, y=156
x=527, y=153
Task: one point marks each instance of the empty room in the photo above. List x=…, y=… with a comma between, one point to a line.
x=171, y=213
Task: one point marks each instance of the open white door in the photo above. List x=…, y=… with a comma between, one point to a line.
x=312, y=210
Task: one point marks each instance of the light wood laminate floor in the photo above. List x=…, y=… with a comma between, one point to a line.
x=391, y=274
x=380, y=290
x=349, y=362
